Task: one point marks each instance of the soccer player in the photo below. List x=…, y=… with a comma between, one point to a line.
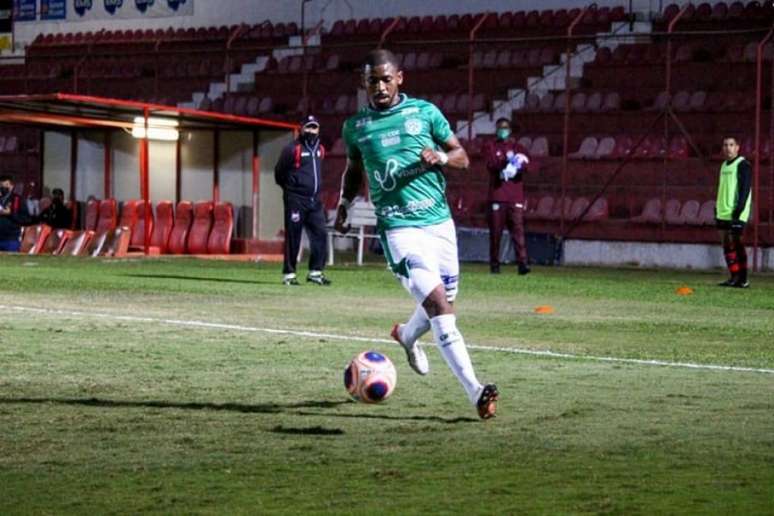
x=732, y=211
x=401, y=145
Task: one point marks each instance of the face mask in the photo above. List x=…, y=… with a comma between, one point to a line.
x=4, y=190
x=310, y=138
x=503, y=133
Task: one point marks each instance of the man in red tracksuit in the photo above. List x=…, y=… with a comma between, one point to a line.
x=506, y=162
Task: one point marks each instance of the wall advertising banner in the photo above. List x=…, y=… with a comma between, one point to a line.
x=53, y=9
x=85, y=10
x=25, y=10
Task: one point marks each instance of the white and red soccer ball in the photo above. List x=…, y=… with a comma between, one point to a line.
x=370, y=377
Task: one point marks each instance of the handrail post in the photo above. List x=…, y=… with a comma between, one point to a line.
x=757, y=152
x=471, y=44
x=670, y=28
x=566, y=129
x=387, y=31
x=229, y=42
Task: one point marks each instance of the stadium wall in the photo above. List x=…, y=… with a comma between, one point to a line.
x=654, y=255
x=230, y=12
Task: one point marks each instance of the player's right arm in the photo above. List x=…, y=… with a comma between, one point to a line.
x=351, y=181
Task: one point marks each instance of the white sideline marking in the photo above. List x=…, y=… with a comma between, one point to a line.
x=312, y=334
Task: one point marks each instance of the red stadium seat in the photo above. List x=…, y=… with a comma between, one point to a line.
x=599, y=210
x=34, y=238
x=543, y=210
x=179, y=234
x=163, y=226
x=707, y=214
x=200, y=228
x=77, y=243
x=612, y=102
x=539, y=147
x=678, y=147
x=579, y=205
x=651, y=213
x=107, y=216
x=594, y=102
x=138, y=234
x=219, y=241
x=92, y=214
x=587, y=149
x=672, y=213
x=690, y=213
x=128, y=215
x=605, y=148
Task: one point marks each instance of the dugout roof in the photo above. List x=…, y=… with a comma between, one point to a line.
x=59, y=110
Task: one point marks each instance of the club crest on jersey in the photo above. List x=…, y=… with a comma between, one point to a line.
x=413, y=126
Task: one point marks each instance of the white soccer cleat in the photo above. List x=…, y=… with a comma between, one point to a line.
x=415, y=355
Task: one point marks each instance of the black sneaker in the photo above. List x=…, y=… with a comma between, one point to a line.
x=523, y=269
x=730, y=282
x=318, y=279
x=494, y=269
x=290, y=282
x=487, y=402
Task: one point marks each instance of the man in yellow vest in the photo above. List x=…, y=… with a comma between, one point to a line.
x=732, y=211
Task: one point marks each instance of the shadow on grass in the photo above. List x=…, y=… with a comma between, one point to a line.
x=201, y=278
x=314, y=430
x=435, y=419
x=262, y=408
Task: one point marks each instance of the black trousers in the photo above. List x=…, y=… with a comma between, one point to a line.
x=304, y=213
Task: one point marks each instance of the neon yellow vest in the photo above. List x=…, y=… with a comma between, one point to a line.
x=727, y=192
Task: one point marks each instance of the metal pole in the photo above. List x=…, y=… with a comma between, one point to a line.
x=178, y=168
x=145, y=181
x=670, y=29
x=216, y=167
x=567, y=105
x=108, y=165
x=73, y=164
x=757, y=152
x=387, y=31
x=256, y=184
x=471, y=67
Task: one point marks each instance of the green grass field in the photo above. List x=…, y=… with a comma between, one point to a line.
x=134, y=387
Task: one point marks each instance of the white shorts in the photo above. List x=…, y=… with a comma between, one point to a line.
x=431, y=251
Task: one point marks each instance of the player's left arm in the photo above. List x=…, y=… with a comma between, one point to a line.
x=453, y=155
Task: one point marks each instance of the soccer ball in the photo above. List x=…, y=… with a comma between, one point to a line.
x=370, y=377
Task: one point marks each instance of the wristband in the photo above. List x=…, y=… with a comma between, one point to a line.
x=443, y=158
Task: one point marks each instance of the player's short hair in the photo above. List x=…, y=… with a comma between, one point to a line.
x=6, y=177
x=731, y=137
x=503, y=119
x=380, y=57
x=57, y=191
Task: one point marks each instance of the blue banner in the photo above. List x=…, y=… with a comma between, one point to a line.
x=54, y=9
x=25, y=10
x=83, y=10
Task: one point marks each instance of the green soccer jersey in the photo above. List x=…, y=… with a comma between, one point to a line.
x=390, y=144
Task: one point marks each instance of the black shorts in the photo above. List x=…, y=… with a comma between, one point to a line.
x=725, y=225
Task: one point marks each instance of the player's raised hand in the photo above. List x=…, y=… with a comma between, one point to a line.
x=341, y=219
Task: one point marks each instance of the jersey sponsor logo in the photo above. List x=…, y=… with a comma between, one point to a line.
x=390, y=138
x=409, y=111
x=408, y=209
x=413, y=126
x=388, y=179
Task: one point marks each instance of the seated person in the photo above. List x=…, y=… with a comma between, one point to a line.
x=57, y=215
